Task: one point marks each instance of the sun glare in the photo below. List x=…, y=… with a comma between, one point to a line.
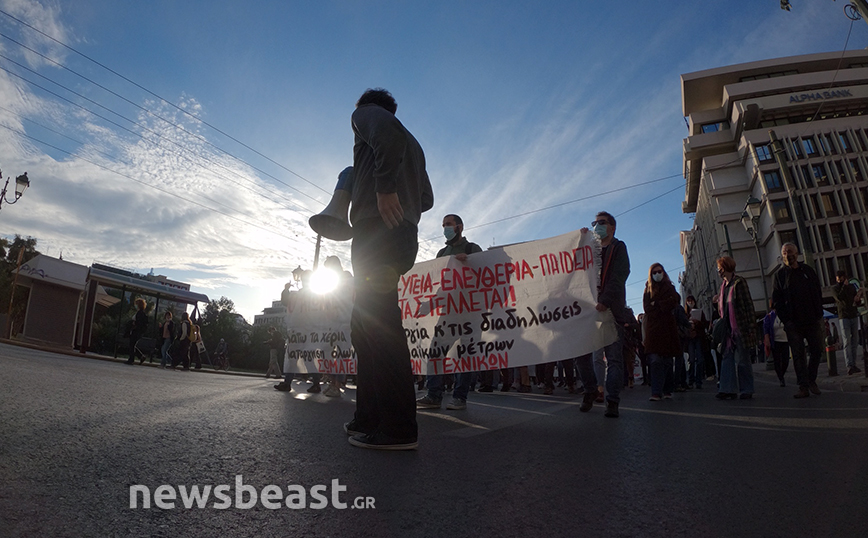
x=323, y=281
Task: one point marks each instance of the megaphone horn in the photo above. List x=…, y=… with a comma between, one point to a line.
x=332, y=222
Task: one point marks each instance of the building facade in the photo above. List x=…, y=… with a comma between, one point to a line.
x=274, y=315
x=817, y=107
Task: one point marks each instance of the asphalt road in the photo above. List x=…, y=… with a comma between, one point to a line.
x=77, y=433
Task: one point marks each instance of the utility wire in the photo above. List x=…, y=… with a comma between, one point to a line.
x=110, y=70
x=149, y=112
x=164, y=191
x=137, y=124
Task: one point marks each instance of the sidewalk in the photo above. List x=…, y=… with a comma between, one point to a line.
x=119, y=359
x=842, y=382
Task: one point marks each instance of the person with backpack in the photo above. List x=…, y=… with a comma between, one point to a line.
x=184, y=340
x=662, y=341
x=739, y=325
x=456, y=245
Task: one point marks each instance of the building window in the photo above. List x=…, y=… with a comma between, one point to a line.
x=864, y=192
x=845, y=142
x=815, y=205
x=764, y=153
x=849, y=200
x=830, y=271
x=797, y=149
x=773, y=181
x=781, y=211
x=810, y=148
x=820, y=176
x=714, y=127
x=858, y=235
x=824, y=238
x=827, y=145
x=829, y=205
x=807, y=177
x=844, y=265
x=856, y=170
x=789, y=236
x=842, y=177
x=838, y=239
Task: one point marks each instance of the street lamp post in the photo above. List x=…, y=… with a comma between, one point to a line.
x=750, y=220
x=21, y=184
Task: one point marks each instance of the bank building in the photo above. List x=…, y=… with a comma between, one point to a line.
x=750, y=195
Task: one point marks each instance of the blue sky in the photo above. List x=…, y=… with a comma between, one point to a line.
x=518, y=105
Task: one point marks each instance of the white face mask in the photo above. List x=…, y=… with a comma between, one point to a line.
x=449, y=232
x=657, y=277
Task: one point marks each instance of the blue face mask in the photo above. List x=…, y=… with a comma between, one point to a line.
x=449, y=232
x=601, y=231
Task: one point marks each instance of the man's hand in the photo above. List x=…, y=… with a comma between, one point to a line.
x=584, y=231
x=461, y=257
x=390, y=209
x=601, y=307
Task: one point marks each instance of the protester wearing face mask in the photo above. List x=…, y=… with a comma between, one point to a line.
x=662, y=342
x=458, y=246
x=738, y=315
x=611, y=295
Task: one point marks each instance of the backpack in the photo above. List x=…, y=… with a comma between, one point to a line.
x=682, y=322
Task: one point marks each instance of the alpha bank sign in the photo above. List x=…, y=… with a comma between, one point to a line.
x=819, y=96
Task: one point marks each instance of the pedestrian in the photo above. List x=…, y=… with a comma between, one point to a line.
x=390, y=192
x=276, y=342
x=459, y=247
x=607, y=366
x=798, y=300
x=848, y=319
x=167, y=330
x=775, y=343
x=739, y=318
x=196, y=347
x=662, y=342
x=139, y=324
x=182, y=357
x=696, y=343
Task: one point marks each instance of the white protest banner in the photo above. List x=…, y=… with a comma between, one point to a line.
x=519, y=305
x=318, y=332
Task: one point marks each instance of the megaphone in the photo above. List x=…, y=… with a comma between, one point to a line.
x=332, y=222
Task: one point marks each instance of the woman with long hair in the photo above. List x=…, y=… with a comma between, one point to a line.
x=662, y=343
x=736, y=310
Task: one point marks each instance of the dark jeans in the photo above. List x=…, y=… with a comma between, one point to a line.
x=486, y=379
x=614, y=368
x=806, y=371
x=662, y=377
x=569, y=372
x=781, y=355
x=183, y=356
x=133, y=339
x=385, y=394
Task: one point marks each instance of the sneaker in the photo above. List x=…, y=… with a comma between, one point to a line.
x=667, y=396
x=316, y=389
x=351, y=428
x=283, y=387
x=599, y=398
x=525, y=388
x=378, y=441
x=814, y=388
x=803, y=393
x=457, y=404
x=611, y=410
x=548, y=391
x=333, y=392
x=427, y=402
x=853, y=370
x=745, y=396
x=504, y=388
x=654, y=398
x=485, y=389
x=588, y=401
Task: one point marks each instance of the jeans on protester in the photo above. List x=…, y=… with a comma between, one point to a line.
x=697, y=362
x=806, y=371
x=600, y=367
x=164, y=352
x=736, y=371
x=614, y=371
x=660, y=369
x=849, y=329
x=460, y=390
x=781, y=356
x=385, y=395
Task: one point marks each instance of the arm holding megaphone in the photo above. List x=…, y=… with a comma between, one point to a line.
x=333, y=222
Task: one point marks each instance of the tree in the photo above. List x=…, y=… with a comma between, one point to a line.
x=8, y=264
